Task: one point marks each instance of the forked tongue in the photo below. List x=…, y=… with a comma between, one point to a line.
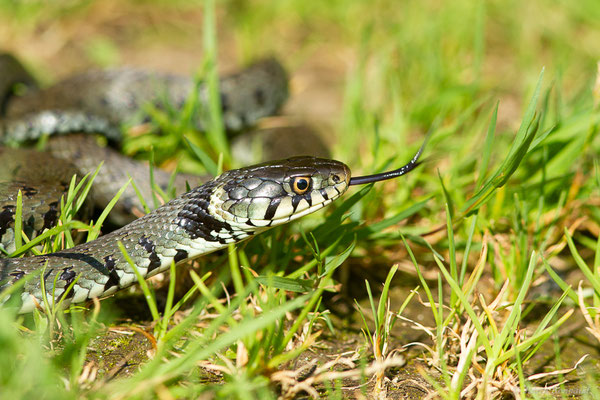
x=412, y=164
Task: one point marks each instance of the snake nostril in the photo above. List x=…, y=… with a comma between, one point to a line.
x=336, y=178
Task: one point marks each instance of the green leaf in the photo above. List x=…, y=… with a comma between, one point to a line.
x=291, y=285
x=331, y=263
x=487, y=148
x=519, y=148
x=211, y=167
x=386, y=223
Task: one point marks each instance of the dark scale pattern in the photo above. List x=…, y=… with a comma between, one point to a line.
x=149, y=246
x=296, y=201
x=308, y=199
x=272, y=208
x=196, y=220
x=68, y=275
x=47, y=274
x=113, y=277
x=259, y=97
x=154, y=262
x=17, y=275
x=180, y=255
x=51, y=216
x=40, y=211
x=6, y=219
x=29, y=191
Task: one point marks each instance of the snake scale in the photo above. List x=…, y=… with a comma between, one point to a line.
x=230, y=208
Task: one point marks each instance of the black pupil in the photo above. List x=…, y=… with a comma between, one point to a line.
x=301, y=184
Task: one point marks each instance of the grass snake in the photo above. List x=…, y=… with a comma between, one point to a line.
x=230, y=208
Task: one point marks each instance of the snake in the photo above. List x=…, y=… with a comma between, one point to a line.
x=102, y=101
x=232, y=207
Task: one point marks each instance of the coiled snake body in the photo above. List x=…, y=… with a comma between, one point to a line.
x=230, y=208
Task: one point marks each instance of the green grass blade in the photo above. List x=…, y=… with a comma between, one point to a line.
x=373, y=309
x=291, y=285
x=422, y=280
x=18, y=226
x=467, y=306
x=48, y=234
x=513, y=318
x=216, y=132
x=148, y=294
x=589, y=274
x=377, y=227
x=139, y=194
x=487, y=148
x=381, y=307
x=95, y=231
x=523, y=139
x=207, y=162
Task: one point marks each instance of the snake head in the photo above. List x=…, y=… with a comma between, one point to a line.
x=276, y=192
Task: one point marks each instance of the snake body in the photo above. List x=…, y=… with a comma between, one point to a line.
x=230, y=208
x=236, y=205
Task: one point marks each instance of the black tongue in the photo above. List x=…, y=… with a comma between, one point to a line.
x=412, y=164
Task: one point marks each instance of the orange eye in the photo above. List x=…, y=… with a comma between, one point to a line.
x=300, y=184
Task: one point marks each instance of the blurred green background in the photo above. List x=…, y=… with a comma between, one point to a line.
x=416, y=59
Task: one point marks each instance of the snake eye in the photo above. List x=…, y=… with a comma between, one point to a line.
x=300, y=184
